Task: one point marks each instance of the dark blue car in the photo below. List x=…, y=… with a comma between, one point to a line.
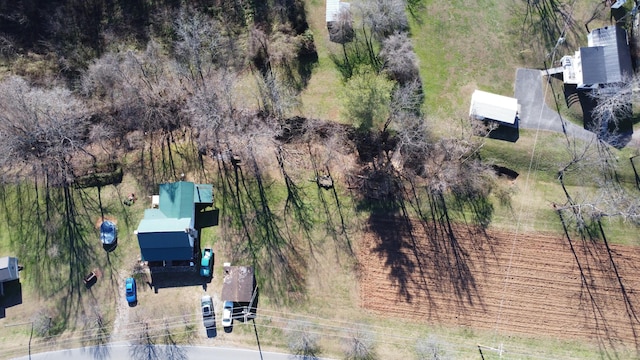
x=130, y=291
x=108, y=233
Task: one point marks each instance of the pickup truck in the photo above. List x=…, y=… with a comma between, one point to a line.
x=208, y=315
x=206, y=263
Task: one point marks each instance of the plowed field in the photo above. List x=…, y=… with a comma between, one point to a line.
x=519, y=284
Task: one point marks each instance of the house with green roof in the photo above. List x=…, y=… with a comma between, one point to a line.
x=169, y=232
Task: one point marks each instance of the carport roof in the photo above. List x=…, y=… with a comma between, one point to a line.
x=238, y=284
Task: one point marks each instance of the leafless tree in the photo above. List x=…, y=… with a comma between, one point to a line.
x=284, y=47
x=302, y=341
x=612, y=107
x=341, y=29
x=200, y=43
x=40, y=130
x=275, y=96
x=143, y=90
x=384, y=17
x=360, y=345
x=595, y=165
x=43, y=323
x=143, y=347
x=398, y=58
x=97, y=334
x=430, y=348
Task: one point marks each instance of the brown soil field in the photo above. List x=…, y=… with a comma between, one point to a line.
x=507, y=283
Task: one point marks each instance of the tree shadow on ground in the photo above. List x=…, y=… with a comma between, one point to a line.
x=259, y=239
x=162, y=158
x=427, y=243
x=331, y=209
x=295, y=208
x=49, y=231
x=599, y=268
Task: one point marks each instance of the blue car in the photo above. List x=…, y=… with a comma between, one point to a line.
x=108, y=233
x=130, y=290
x=206, y=263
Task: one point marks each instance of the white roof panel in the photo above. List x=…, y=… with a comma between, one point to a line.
x=486, y=105
x=333, y=7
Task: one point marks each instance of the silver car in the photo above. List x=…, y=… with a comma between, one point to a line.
x=208, y=315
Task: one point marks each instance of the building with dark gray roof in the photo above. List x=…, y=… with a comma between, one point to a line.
x=607, y=59
x=239, y=286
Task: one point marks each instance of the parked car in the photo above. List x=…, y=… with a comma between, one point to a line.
x=130, y=290
x=227, y=314
x=108, y=233
x=206, y=263
x=208, y=315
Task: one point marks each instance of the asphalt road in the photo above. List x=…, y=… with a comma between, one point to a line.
x=534, y=113
x=123, y=351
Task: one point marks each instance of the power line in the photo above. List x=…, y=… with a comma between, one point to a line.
x=527, y=178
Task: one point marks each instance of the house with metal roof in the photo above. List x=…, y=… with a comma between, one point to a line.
x=605, y=60
x=604, y=63
x=239, y=286
x=169, y=232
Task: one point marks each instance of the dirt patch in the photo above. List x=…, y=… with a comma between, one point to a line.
x=101, y=219
x=513, y=284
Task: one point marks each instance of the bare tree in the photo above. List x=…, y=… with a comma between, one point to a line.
x=275, y=96
x=284, y=47
x=398, y=58
x=612, y=108
x=199, y=45
x=43, y=323
x=595, y=165
x=341, y=28
x=302, y=341
x=384, y=17
x=42, y=128
x=143, y=347
x=430, y=348
x=360, y=345
x=143, y=90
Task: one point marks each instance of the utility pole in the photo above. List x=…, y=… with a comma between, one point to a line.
x=30, y=337
x=255, y=328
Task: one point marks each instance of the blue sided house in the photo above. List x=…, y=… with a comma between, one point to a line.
x=169, y=232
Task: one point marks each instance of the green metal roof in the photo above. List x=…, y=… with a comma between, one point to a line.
x=164, y=227
x=176, y=199
x=157, y=225
x=203, y=193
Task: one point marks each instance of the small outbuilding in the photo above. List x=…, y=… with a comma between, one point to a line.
x=342, y=33
x=486, y=106
x=9, y=271
x=239, y=286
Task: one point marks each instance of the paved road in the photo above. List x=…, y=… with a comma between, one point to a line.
x=534, y=113
x=122, y=351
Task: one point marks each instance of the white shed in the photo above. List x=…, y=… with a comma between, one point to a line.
x=333, y=7
x=488, y=106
